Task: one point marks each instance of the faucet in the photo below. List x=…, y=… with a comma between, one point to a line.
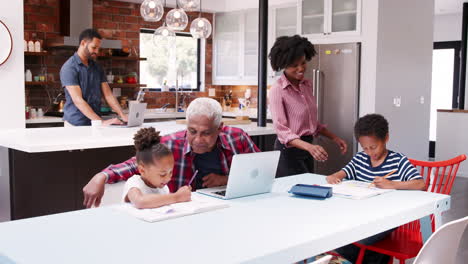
x=164, y=107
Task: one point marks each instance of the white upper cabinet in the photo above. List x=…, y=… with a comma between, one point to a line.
x=250, y=42
x=227, y=47
x=330, y=18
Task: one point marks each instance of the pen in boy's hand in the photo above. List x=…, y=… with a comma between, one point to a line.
x=193, y=177
x=388, y=174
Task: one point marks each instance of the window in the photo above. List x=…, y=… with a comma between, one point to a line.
x=168, y=62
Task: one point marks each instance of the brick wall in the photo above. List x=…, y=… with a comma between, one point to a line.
x=114, y=20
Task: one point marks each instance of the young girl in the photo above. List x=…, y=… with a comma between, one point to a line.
x=155, y=163
x=372, y=165
x=376, y=161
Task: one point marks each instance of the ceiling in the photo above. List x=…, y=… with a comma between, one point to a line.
x=441, y=6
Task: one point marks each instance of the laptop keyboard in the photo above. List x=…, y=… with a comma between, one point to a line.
x=222, y=193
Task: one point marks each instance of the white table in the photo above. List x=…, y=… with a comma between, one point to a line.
x=267, y=228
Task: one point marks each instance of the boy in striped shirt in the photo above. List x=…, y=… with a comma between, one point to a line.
x=376, y=161
x=372, y=165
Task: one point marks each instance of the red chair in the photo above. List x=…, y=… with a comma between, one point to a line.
x=406, y=241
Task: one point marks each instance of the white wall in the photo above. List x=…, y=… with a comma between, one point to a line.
x=451, y=138
x=369, y=31
x=447, y=27
x=404, y=68
x=12, y=108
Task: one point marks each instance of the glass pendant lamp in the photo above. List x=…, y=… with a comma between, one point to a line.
x=177, y=19
x=152, y=10
x=200, y=27
x=189, y=5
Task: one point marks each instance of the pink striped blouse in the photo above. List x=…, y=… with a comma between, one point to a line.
x=293, y=110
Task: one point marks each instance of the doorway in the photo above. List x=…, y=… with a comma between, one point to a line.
x=445, y=83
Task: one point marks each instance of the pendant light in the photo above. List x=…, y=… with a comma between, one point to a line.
x=152, y=10
x=163, y=32
x=200, y=27
x=189, y=5
x=177, y=19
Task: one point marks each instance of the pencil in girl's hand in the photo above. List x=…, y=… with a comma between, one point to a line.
x=193, y=177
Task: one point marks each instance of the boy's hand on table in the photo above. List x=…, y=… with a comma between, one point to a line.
x=382, y=183
x=333, y=180
x=214, y=180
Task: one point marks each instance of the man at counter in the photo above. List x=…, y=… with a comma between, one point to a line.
x=84, y=83
x=206, y=146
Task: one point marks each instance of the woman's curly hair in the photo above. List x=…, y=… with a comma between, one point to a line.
x=287, y=50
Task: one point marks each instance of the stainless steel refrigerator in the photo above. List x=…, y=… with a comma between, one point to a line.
x=334, y=72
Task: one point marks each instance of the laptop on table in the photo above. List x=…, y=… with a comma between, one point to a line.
x=136, y=115
x=250, y=174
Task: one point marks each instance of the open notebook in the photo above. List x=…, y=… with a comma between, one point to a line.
x=199, y=204
x=356, y=189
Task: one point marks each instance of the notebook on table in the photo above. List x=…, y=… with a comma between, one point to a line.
x=199, y=204
x=356, y=189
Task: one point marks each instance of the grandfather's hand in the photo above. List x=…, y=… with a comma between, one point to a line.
x=214, y=180
x=94, y=190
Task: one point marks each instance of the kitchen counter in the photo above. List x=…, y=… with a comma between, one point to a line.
x=72, y=138
x=155, y=114
x=43, y=170
x=452, y=110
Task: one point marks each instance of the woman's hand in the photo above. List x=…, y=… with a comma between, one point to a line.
x=341, y=144
x=317, y=152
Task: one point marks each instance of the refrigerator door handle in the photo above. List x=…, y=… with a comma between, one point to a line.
x=314, y=82
x=317, y=95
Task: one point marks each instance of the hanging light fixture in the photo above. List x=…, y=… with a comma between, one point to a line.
x=177, y=19
x=189, y=5
x=163, y=33
x=200, y=27
x=152, y=10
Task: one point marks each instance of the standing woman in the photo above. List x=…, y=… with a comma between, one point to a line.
x=294, y=110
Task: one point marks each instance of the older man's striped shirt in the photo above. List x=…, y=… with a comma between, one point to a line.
x=360, y=168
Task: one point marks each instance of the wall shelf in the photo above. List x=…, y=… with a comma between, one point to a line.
x=38, y=83
x=30, y=53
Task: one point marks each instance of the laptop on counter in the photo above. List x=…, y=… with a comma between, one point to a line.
x=136, y=115
x=250, y=174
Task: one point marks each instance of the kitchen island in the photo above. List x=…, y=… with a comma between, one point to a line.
x=43, y=170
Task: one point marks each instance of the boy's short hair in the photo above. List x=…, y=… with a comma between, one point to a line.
x=371, y=125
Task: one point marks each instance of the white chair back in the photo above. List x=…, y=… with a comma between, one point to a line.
x=442, y=246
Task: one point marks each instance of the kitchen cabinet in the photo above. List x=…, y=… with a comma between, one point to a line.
x=329, y=18
x=236, y=43
x=52, y=182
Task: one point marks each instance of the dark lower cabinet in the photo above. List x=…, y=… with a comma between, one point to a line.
x=52, y=182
